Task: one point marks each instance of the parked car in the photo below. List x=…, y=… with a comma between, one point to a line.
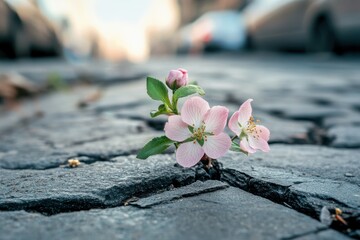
x=312, y=25
x=217, y=30
x=24, y=31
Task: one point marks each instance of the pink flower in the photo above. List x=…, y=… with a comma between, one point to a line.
x=199, y=130
x=177, y=78
x=252, y=137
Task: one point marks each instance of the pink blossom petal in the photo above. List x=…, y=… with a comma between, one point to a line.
x=258, y=143
x=245, y=112
x=175, y=129
x=182, y=70
x=244, y=145
x=217, y=145
x=189, y=153
x=234, y=123
x=215, y=119
x=263, y=132
x=194, y=110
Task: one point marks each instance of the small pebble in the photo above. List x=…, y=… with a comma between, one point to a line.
x=349, y=175
x=73, y=163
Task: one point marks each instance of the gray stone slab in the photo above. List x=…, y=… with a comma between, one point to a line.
x=18, y=156
x=336, y=193
x=225, y=214
x=300, y=110
x=68, y=130
x=309, y=161
x=351, y=118
x=321, y=235
x=285, y=130
x=101, y=184
x=193, y=189
x=115, y=146
x=34, y=159
x=345, y=136
x=303, y=177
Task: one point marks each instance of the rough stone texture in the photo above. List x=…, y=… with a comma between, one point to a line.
x=194, y=189
x=284, y=130
x=351, y=118
x=50, y=141
x=68, y=189
x=303, y=100
x=308, y=111
x=34, y=159
x=69, y=130
x=225, y=214
x=311, y=161
x=303, y=177
x=115, y=146
x=321, y=235
x=88, y=152
x=345, y=136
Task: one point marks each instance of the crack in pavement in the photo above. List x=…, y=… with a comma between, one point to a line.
x=113, y=186
x=300, y=198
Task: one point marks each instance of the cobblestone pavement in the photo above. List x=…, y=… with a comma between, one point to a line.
x=311, y=104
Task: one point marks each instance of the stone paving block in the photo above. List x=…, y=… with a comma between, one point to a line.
x=285, y=130
x=303, y=177
x=224, y=214
x=321, y=235
x=115, y=146
x=310, y=161
x=193, y=189
x=300, y=110
x=101, y=184
x=345, y=136
x=34, y=159
x=348, y=119
x=66, y=131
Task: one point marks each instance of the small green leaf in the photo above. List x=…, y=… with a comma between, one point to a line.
x=155, y=146
x=161, y=110
x=191, y=128
x=200, y=141
x=157, y=90
x=236, y=148
x=186, y=91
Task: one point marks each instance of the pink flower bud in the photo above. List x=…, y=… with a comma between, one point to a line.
x=177, y=78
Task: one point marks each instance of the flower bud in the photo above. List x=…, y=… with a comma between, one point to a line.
x=177, y=78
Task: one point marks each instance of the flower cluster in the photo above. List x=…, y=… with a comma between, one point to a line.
x=197, y=131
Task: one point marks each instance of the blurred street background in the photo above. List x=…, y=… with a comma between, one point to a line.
x=134, y=31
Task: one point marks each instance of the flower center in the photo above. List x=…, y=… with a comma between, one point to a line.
x=199, y=133
x=251, y=126
x=251, y=129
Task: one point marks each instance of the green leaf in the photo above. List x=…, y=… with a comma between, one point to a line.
x=186, y=91
x=236, y=148
x=155, y=146
x=157, y=90
x=200, y=141
x=161, y=110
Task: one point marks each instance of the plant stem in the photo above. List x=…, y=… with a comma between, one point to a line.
x=234, y=137
x=174, y=105
x=209, y=165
